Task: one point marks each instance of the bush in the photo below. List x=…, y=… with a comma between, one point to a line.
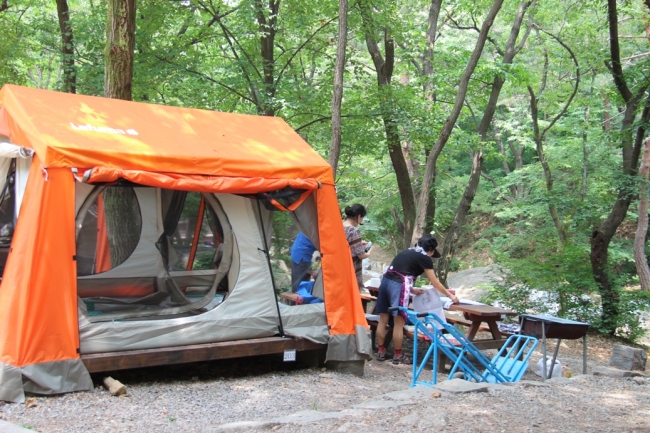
x=561, y=283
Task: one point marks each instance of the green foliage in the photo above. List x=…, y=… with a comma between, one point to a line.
x=208, y=55
x=203, y=261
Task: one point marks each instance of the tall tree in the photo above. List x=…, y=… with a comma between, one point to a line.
x=337, y=94
x=631, y=147
x=384, y=66
x=640, y=258
x=508, y=55
x=428, y=179
x=118, y=54
x=539, y=134
x=118, y=84
x=67, y=47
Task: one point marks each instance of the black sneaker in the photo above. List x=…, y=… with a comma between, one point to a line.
x=381, y=356
x=402, y=359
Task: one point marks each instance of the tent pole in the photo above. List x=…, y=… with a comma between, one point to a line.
x=197, y=233
x=268, y=261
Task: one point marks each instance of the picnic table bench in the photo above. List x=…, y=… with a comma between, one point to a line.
x=293, y=298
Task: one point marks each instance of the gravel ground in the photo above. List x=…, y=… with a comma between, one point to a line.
x=263, y=393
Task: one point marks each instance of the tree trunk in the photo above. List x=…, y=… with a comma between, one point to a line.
x=118, y=79
x=67, y=47
x=561, y=229
x=122, y=213
x=445, y=133
x=429, y=95
x=384, y=69
x=451, y=237
x=602, y=235
x=267, y=28
x=120, y=43
x=335, y=148
x=640, y=260
x=538, y=136
x=427, y=63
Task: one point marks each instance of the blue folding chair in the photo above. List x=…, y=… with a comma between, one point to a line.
x=509, y=365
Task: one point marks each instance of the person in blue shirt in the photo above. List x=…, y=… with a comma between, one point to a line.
x=302, y=251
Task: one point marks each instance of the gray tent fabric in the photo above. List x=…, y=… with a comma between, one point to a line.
x=248, y=311
x=350, y=347
x=45, y=379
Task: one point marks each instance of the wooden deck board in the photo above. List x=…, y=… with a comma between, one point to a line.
x=111, y=361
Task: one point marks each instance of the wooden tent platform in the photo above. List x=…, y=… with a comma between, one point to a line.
x=111, y=361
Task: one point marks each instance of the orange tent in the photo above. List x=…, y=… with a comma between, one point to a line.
x=233, y=160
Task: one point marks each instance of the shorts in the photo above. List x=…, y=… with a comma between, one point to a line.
x=389, y=295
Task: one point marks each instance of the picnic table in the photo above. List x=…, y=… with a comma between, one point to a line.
x=292, y=298
x=479, y=314
x=476, y=318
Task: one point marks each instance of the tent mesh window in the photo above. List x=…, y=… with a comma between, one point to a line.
x=196, y=236
x=7, y=212
x=127, y=270
x=280, y=199
x=110, y=231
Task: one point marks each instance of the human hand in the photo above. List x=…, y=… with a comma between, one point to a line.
x=454, y=299
x=417, y=291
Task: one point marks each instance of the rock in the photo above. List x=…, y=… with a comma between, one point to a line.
x=581, y=377
x=417, y=393
x=7, y=427
x=460, y=386
x=423, y=420
x=614, y=372
x=245, y=426
x=497, y=387
x=628, y=358
x=380, y=404
x=309, y=416
x=559, y=379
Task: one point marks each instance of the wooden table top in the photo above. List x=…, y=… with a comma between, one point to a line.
x=482, y=310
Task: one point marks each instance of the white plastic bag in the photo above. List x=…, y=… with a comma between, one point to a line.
x=557, y=368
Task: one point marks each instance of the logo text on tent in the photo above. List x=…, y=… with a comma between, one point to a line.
x=103, y=129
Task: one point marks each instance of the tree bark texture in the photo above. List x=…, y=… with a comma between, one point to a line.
x=120, y=203
x=445, y=133
x=123, y=223
x=337, y=96
x=67, y=47
x=429, y=95
x=120, y=43
x=640, y=260
x=427, y=63
x=268, y=27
